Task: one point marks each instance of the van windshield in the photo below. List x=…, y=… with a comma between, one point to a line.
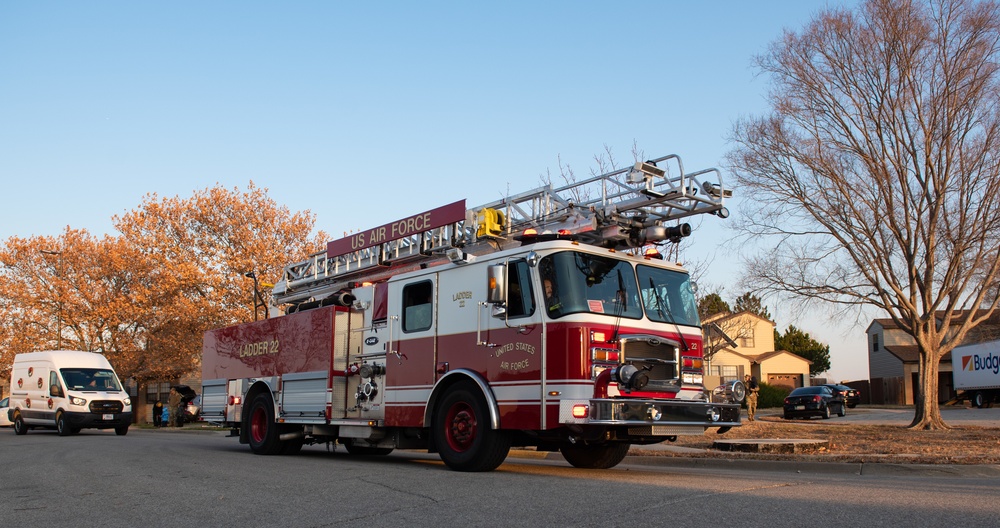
x=84, y=379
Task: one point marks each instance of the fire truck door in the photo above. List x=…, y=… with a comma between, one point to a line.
x=515, y=361
x=411, y=352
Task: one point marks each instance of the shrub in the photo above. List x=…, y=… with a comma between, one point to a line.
x=772, y=395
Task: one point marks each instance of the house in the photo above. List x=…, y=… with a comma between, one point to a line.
x=750, y=350
x=894, y=367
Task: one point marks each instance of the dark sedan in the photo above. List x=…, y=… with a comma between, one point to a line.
x=851, y=396
x=814, y=401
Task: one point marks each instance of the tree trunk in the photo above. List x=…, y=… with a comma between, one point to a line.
x=927, y=413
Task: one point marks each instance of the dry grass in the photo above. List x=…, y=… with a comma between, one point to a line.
x=858, y=443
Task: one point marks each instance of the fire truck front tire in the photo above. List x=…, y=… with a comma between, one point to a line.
x=595, y=456
x=462, y=431
x=263, y=430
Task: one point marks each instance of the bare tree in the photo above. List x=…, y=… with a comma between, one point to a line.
x=877, y=170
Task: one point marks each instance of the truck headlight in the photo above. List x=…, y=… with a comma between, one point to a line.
x=128, y=401
x=78, y=401
x=692, y=378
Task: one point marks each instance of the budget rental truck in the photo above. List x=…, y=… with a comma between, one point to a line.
x=976, y=372
x=546, y=319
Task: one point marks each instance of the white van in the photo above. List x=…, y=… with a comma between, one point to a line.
x=68, y=391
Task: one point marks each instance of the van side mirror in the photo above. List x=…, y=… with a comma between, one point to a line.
x=496, y=289
x=56, y=391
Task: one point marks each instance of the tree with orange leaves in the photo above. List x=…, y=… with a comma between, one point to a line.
x=146, y=297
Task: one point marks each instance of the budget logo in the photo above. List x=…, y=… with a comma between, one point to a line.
x=976, y=362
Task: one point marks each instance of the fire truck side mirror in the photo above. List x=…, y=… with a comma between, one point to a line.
x=496, y=289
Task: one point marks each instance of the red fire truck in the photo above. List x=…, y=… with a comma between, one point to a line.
x=546, y=319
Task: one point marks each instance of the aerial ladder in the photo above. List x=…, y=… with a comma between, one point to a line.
x=625, y=208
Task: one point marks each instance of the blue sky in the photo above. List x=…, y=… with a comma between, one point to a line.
x=365, y=112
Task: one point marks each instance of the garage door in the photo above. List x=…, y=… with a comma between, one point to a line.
x=791, y=381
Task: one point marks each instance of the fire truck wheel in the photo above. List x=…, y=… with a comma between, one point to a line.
x=462, y=431
x=367, y=451
x=595, y=456
x=19, y=426
x=263, y=431
x=62, y=426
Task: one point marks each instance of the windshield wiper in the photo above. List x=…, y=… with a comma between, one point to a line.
x=620, y=297
x=667, y=315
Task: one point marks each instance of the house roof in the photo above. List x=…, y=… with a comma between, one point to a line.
x=768, y=355
x=758, y=358
x=911, y=353
x=725, y=316
x=890, y=324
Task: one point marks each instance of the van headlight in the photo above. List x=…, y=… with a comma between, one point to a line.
x=128, y=401
x=78, y=401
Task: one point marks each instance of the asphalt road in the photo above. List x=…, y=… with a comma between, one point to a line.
x=185, y=478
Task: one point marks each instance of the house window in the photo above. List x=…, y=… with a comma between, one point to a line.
x=157, y=391
x=726, y=372
x=874, y=342
x=746, y=338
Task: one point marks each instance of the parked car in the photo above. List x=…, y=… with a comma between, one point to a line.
x=851, y=396
x=187, y=396
x=818, y=400
x=192, y=411
x=4, y=420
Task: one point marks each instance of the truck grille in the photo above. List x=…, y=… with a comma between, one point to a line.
x=106, y=406
x=659, y=355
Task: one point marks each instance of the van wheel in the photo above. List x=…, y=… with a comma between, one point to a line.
x=263, y=431
x=19, y=427
x=62, y=426
x=121, y=431
x=462, y=431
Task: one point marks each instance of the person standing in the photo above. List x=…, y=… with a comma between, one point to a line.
x=752, y=390
x=173, y=406
x=158, y=413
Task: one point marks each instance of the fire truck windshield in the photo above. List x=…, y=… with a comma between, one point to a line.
x=668, y=296
x=579, y=282
x=575, y=282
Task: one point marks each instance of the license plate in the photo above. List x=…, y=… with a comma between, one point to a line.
x=800, y=407
x=109, y=417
